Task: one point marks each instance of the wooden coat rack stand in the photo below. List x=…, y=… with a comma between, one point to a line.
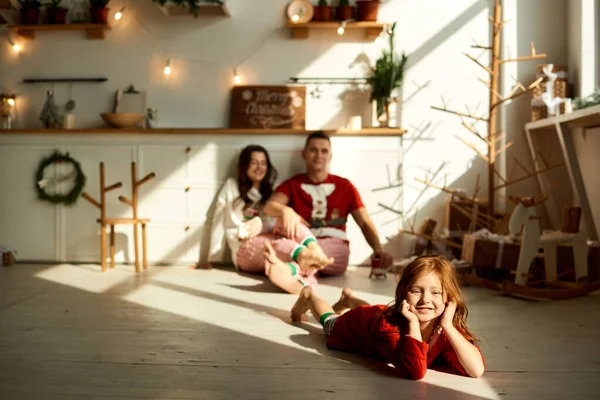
x=135, y=221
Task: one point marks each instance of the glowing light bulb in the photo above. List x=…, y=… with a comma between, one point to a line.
x=237, y=79
x=14, y=46
x=119, y=14
x=167, y=69
x=295, y=17
x=11, y=102
x=341, y=30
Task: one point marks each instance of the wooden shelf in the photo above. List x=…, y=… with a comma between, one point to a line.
x=301, y=30
x=206, y=10
x=205, y=131
x=585, y=118
x=94, y=31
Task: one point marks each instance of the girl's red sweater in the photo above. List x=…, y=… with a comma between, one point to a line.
x=359, y=331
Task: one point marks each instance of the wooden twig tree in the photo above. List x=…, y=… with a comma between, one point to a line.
x=494, y=136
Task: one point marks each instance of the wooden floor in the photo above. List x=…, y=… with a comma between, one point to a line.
x=72, y=332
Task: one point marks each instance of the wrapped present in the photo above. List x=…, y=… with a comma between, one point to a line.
x=539, y=109
x=492, y=256
x=552, y=96
x=560, y=70
x=560, y=88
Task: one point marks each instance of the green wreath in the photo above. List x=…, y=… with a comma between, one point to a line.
x=41, y=183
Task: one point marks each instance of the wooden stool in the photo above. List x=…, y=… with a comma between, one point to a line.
x=104, y=221
x=125, y=221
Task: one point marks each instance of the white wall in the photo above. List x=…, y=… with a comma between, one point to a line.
x=435, y=34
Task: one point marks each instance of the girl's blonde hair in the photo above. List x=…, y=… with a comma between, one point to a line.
x=447, y=275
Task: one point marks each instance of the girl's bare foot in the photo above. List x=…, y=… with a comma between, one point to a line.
x=302, y=305
x=310, y=258
x=343, y=303
x=279, y=272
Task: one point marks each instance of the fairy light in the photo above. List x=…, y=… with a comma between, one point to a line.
x=341, y=30
x=14, y=46
x=236, y=77
x=11, y=102
x=119, y=14
x=295, y=18
x=167, y=69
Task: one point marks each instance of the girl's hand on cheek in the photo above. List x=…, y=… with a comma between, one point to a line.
x=408, y=312
x=448, y=315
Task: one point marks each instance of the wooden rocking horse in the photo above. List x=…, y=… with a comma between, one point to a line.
x=524, y=224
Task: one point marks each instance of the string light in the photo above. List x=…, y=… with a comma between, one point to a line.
x=14, y=46
x=167, y=69
x=119, y=13
x=8, y=98
x=236, y=78
x=341, y=29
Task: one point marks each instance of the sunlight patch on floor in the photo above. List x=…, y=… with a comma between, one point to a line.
x=88, y=277
x=477, y=387
x=271, y=324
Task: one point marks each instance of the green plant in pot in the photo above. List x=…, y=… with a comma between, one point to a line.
x=194, y=5
x=99, y=11
x=30, y=11
x=322, y=11
x=56, y=14
x=344, y=10
x=386, y=77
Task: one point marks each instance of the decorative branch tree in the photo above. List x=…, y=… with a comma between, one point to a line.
x=494, y=136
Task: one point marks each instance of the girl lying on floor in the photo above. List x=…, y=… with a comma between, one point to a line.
x=424, y=327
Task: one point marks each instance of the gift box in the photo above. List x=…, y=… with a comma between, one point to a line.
x=559, y=69
x=561, y=88
x=491, y=259
x=541, y=111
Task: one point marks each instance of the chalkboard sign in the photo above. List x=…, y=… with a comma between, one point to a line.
x=268, y=107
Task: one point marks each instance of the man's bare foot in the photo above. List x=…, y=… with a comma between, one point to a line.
x=310, y=258
x=279, y=272
x=342, y=304
x=302, y=305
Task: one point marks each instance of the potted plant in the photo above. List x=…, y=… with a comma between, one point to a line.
x=30, y=11
x=56, y=14
x=99, y=11
x=345, y=11
x=194, y=5
x=322, y=11
x=367, y=10
x=386, y=77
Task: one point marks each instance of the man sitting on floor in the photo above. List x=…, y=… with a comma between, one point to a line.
x=324, y=200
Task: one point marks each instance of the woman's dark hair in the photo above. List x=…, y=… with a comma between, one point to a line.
x=245, y=184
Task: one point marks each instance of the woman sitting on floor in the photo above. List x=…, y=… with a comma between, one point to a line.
x=255, y=239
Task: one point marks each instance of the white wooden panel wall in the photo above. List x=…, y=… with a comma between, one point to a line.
x=179, y=201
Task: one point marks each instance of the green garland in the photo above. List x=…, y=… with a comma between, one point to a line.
x=68, y=198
